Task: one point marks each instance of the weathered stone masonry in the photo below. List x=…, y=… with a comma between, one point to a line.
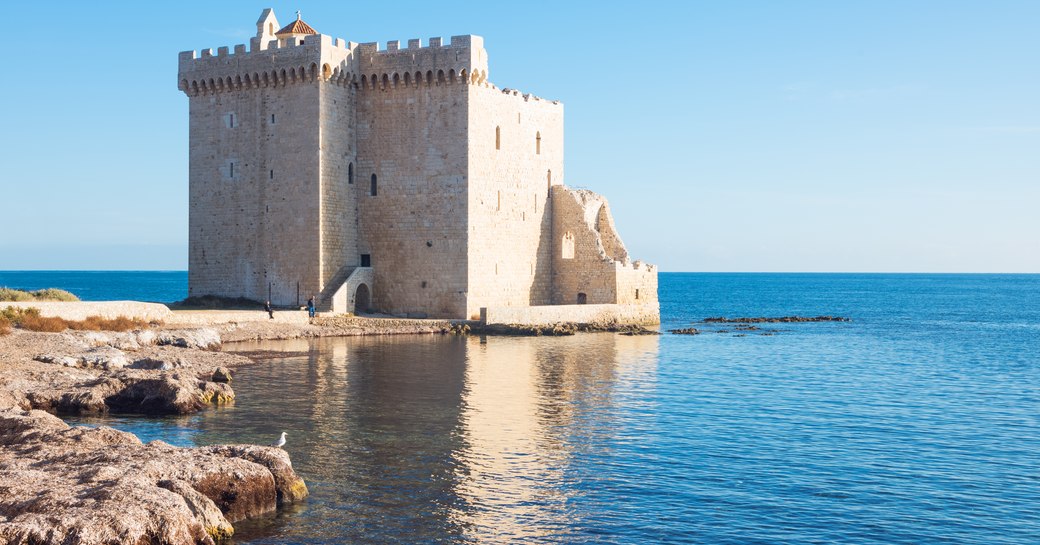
x=397, y=180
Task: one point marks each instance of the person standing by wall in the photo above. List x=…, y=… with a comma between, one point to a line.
x=269, y=309
x=310, y=307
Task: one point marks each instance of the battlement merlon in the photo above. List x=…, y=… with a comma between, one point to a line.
x=316, y=55
x=464, y=52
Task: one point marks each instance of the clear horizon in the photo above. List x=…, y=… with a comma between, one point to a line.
x=751, y=136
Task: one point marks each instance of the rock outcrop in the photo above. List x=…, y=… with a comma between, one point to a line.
x=147, y=372
x=776, y=320
x=87, y=486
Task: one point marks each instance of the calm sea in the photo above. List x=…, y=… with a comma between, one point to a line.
x=152, y=286
x=918, y=422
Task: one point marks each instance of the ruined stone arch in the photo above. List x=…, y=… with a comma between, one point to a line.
x=285, y=76
x=408, y=79
x=374, y=80
x=429, y=77
x=386, y=81
x=184, y=85
x=230, y=83
x=418, y=78
x=462, y=76
x=364, y=80
x=397, y=79
x=475, y=77
x=326, y=71
x=195, y=87
x=440, y=77
x=451, y=76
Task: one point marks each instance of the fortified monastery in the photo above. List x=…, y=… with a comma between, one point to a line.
x=396, y=180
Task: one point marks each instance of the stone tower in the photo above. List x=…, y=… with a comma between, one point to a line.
x=398, y=180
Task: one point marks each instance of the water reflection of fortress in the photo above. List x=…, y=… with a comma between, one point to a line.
x=483, y=433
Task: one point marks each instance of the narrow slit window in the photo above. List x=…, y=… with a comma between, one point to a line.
x=231, y=170
x=272, y=119
x=498, y=207
x=231, y=121
x=637, y=293
x=373, y=190
x=272, y=174
x=498, y=137
x=538, y=143
x=350, y=173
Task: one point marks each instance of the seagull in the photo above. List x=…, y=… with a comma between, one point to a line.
x=280, y=441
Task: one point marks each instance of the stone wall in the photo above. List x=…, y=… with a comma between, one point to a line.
x=413, y=139
x=589, y=259
x=515, y=153
x=643, y=314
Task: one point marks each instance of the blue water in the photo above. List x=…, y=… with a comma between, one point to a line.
x=152, y=286
x=916, y=422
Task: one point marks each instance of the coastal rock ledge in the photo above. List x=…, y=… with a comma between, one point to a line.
x=86, y=486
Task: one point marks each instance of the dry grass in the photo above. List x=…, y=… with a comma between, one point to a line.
x=5, y=326
x=29, y=319
x=49, y=294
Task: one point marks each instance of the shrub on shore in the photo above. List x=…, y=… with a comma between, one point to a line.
x=49, y=294
x=5, y=326
x=29, y=319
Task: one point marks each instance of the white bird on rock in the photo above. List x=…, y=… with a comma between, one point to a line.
x=280, y=442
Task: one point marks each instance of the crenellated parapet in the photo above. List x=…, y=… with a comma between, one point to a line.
x=272, y=63
x=462, y=60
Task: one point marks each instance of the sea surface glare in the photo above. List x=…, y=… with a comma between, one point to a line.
x=915, y=423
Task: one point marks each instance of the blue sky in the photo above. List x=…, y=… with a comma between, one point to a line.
x=728, y=136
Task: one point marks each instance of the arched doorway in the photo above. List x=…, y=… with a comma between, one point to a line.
x=582, y=298
x=362, y=300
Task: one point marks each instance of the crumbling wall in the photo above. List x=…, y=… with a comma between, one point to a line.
x=590, y=262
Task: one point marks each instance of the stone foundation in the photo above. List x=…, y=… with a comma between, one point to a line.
x=648, y=314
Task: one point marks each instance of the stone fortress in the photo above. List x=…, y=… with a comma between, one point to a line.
x=396, y=180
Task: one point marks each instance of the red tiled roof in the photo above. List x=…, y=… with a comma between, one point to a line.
x=296, y=27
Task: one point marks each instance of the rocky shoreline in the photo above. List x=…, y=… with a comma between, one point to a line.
x=62, y=484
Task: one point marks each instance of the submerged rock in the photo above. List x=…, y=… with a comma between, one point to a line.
x=685, y=331
x=781, y=319
x=90, y=486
